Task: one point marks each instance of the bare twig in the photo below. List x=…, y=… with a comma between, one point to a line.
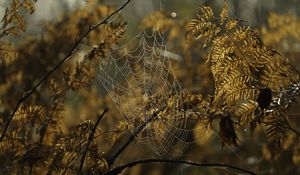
x=294, y=131
x=90, y=139
x=119, y=169
x=291, y=128
x=136, y=131
x=31, y=169
x=77, y=41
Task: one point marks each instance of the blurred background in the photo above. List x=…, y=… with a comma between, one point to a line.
x=255, y=12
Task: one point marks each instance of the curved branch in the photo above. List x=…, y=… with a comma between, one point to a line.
x=90, y=139
x=136, y=131
x=291, y=128
x=119, y=169
x=29, y=93
x=294, y=131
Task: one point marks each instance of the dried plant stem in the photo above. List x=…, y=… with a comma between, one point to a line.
x=90, y=139
x=29, y=93
x=119, y=169
x=136, y=131
x=31, y=169
x=294, y=131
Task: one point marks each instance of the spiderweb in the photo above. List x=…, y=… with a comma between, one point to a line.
x=140, y=80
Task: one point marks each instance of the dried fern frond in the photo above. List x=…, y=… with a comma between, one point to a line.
x=281, y=27
x=13, y=22
x=29, y=113
x=68, y=150
x=85, y=71
x=276, y=127
x=222, y=49
x=278, y=74
x=82, y=130
x=239, y=93
x=116, y=31
x=205, y=26
x=252, y=48
x=235, y=87
x=224, y=12
x=242, y=66
x=95, y=163
x=65, y=156
x=202, y=26
x=233, y=64
x=235, y=78
x=12, y=149
x=35, y=154
x=12, y=143
x=8, y=54
x=245, y=111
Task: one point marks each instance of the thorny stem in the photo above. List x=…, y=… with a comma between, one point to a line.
x=90, y=139
x=136, y=131
x=119, y=169
x=29, y=93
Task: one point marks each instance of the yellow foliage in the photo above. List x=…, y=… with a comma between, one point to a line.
x=225, y=65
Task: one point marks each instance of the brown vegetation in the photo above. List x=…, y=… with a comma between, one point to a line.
x=251, y=86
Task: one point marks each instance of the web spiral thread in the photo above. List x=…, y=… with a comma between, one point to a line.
x=140, y=80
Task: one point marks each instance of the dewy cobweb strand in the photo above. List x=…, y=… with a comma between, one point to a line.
x=140, y=81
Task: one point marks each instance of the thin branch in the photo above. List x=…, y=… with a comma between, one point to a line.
x=119, y=169
x=137, y=130
x=90, y=139
x=291, y=128
x=111, y=131
x=31, y=169
x=294, y=131
x=29, y=93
